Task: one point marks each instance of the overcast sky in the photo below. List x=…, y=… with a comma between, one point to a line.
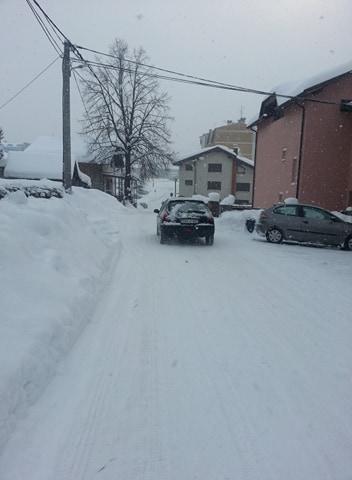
x=253, y=43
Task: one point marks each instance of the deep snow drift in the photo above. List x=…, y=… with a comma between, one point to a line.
x=54, y=259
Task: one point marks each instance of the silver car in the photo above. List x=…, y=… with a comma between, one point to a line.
x=304, y=223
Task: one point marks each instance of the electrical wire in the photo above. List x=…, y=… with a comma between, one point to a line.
x=181, y=77
x=29, y=83
x=209, y=83
x=45, y=29
x=206, y=82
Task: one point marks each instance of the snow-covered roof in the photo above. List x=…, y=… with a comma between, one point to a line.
x=225, y=149
x=298, y=88
x=43, y=159
x=35, y=165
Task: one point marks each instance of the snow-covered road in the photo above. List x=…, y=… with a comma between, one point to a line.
x=225, y=362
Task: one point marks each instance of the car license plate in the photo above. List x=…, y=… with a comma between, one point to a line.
x=189, y=221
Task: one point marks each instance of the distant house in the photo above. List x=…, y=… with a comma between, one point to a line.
x=216, y=169
x=42, y=159
x=234, y=135
x=304, y=143
x=108, y=177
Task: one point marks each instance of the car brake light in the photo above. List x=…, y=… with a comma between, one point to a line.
x=211, y=219
x=165, y=217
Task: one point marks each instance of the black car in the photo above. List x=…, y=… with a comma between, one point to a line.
x=185, y=218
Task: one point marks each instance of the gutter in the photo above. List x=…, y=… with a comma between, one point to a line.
x=255, y=161
x=302, y=106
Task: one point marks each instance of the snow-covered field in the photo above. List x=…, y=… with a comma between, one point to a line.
x=223, y=362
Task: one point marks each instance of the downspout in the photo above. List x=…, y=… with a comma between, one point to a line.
x=300, y=148
x=255, y=161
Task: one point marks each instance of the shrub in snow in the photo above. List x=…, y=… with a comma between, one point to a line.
x=143, y=204
x=35, y=189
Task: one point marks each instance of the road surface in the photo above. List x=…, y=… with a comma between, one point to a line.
x=226, y=362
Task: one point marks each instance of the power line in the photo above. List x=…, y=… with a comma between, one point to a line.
x=173, y=72
x=29, y=83
x=186, y=78
x=45, y=29
x=206, y=83
x=50, y=20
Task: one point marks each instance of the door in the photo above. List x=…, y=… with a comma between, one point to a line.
x=286, y=217
x=320, y=226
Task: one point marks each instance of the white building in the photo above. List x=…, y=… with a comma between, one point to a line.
x=216, y=169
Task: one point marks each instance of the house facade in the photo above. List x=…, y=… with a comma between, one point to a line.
x=216, y=169
x=304, y=144
x=234, y=135
x=108, y=178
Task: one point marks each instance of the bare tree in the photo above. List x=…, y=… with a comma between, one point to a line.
x=127, y=112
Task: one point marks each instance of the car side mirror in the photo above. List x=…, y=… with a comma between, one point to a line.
x=156, y=210
x=335, y=220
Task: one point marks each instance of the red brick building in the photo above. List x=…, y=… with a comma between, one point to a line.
x=304, y=143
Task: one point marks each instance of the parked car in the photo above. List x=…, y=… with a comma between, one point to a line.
x=304, y=223
x=185, y=218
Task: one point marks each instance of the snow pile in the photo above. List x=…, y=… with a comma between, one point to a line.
x=236, y=220
x=214, y=197
x=54, y=261
x=291, y=201
x=229, y=200
x=201, y=198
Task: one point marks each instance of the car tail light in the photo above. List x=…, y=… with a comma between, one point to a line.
x=211, y=219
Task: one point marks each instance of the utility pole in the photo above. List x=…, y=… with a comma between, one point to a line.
x=66, y=119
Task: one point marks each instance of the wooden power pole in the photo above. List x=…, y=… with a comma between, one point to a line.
x=66, y=119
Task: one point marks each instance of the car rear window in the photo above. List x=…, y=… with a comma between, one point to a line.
x=188, y=206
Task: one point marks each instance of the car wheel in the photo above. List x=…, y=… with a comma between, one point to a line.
x=274, y=235
x=162, y=237
x=348, y=243
x=209, y=239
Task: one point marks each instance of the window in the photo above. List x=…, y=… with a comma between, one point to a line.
x=283, y=154
x=214, y=167
x=243, y=187
x=189, y=182
x=294, y=170
x=316, y=214
x=289, y=210
x=188, y=166
x=214, y=185
x=236, y=150
x=108, y=185
x=241, y=170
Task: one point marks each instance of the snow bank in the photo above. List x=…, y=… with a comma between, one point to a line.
x=214, y=197
x=54, y=260
x=236, y=220
x=229, y=200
